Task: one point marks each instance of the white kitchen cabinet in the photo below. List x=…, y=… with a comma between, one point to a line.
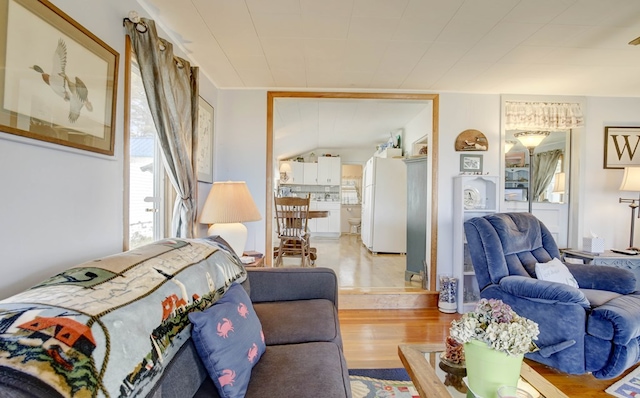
x=473, y=196
x=296, y=175
x=325, y=226
x=310, y=174
x=329, y=170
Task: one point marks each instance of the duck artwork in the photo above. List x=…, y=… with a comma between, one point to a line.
x=74, y=91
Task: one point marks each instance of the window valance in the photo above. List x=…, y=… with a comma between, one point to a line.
x=542, y=116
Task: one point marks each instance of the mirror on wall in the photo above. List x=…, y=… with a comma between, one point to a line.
x=549, y=184
x=555, y=183
x=549, y=174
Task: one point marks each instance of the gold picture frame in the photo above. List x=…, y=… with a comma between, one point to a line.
x=57, y=80
x=204, y=156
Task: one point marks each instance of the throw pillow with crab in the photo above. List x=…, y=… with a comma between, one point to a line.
x=229, y=339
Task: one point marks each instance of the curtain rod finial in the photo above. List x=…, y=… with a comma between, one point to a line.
x=134, y=17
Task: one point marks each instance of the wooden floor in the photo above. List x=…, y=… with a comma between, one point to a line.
x=356, y=267
x=371, y=339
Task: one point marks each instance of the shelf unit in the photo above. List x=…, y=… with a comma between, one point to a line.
x=485, y=192
x=517, y=177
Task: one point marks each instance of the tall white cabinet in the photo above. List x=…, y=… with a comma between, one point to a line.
x=329, y=170
x=473, y=196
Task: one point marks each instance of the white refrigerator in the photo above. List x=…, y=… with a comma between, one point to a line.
x=384, y=206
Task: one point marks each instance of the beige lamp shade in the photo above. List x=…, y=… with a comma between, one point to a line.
x=631, y=179
x=531, y=139
x=285, y=168
x=229, y=202
x=559, y=183
x=228, y=205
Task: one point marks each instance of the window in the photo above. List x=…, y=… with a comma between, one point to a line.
x=146, y=178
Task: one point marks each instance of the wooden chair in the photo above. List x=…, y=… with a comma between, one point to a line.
x=292, y=215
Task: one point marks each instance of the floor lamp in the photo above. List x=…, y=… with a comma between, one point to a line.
x=530, y=140
x=631, y=183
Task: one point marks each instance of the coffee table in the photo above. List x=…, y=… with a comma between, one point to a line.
x=422, y=362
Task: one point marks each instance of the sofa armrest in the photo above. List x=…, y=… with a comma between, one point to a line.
x=287, y=284
x=539, y=290
x=600, y=277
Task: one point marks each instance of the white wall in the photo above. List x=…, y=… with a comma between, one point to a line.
x=240, y=150
x=598, y=187
x=417, y=128
x=459, y=112
x=60, y=207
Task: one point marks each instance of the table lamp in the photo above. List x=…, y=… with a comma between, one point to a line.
x=285, y=171
x=228, y=205
x=530, y=140
x=631, y=183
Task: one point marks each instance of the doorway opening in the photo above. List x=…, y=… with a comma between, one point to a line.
x=273, y=171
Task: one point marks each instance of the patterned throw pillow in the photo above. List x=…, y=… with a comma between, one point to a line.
x=229, y=340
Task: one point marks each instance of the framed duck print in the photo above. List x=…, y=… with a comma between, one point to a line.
x=57, y=80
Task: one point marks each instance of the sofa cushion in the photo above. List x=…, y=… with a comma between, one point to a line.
x=312, y=320
x=228, y=337
x=296, y=370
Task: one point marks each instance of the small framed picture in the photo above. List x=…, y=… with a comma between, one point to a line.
x=470, y=163
x=204, y=159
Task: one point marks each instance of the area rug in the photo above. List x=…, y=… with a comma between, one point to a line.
x=387, y=383
x=627, y=387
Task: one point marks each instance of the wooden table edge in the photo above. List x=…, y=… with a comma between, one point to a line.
x=424, y=378
x=540, y=383
x=427, y=382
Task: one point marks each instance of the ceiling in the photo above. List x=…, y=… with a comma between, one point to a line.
x=564, y=47
x=302, y=125
x=548, y=47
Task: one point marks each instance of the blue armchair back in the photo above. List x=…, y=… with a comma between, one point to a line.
x=512, y=244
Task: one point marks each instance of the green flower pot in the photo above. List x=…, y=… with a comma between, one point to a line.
x=488, y=369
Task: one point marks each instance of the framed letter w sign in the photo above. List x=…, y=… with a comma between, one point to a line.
x=621, y=147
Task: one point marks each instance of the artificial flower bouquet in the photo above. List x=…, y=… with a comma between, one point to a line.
x=496, y=324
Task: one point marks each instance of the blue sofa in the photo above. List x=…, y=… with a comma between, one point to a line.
x=297, y=308
x=594, y=328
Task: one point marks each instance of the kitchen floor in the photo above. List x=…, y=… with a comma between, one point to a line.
x=356, y=266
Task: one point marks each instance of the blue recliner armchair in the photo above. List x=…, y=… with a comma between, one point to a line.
x=594, y=328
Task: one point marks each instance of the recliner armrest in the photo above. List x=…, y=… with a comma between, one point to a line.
x=600, y=277
x=287, y=284
x=531, y=288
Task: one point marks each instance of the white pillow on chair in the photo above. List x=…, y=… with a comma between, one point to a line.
x=555, y=271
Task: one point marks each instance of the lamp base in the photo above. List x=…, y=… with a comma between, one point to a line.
x=234, y=233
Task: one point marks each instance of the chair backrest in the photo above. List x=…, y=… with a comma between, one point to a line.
x=504, y=244
x=292, y=215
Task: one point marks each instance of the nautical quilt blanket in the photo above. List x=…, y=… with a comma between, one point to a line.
x=107, y=328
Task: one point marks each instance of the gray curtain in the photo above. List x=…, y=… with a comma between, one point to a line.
x=171, y=86
x=544, y=165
